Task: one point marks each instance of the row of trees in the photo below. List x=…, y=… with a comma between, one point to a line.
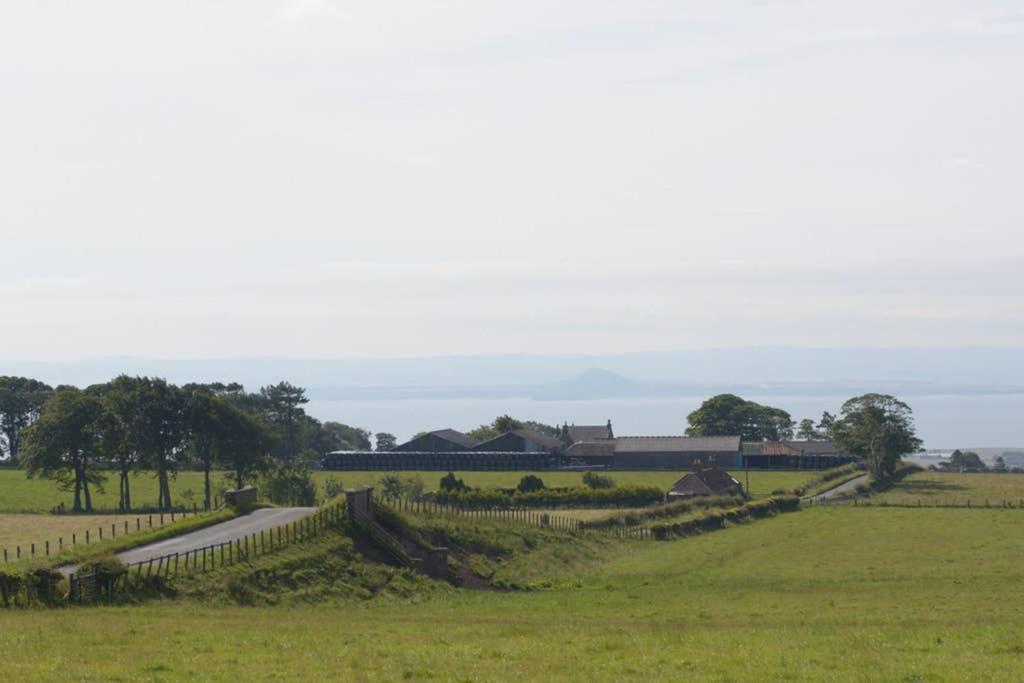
x=77, y=436
x=877, y=427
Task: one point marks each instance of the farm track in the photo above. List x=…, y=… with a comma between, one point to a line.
x=845, y=487
x=254, y=522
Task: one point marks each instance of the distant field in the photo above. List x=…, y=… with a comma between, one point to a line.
x=888, y=594
x=941, y=488
x=20, y=494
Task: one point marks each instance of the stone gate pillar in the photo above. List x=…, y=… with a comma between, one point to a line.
x=359, y=502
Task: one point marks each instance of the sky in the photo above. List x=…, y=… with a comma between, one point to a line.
x=324, y=178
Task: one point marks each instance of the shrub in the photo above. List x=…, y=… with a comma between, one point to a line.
x=598, y=481
x=529, y=483
x=333, y=487
x=626, y=496
x=717, y=519
x=450, y=482
x=290, y=484
x=11, y=581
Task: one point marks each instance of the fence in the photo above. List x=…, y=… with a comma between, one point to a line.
x=87, y=537
x=517, y=516
x=863, y=501
x=206, y=558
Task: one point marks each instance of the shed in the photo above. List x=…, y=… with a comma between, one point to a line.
x=521, y=441
x=710, y=481
x=675, y=452
x=439, y=441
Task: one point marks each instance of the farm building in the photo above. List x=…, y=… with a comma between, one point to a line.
x=521, y=441
x=710, y=481
x=675, y=452
x=576, y=433
x=439, y=441
x=440, y=461
x=817, y=454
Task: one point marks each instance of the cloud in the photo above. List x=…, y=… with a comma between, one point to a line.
x=292, y=11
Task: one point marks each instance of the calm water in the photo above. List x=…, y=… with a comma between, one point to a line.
x=942, y=421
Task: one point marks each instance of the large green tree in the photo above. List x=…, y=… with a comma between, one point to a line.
x=730, y=415
x=244, y=444
x=877, y=427
x=63, y=444
x=117, y=431
x=21, y=402
x=283, y=405
x=342, y=437
x=159, y=430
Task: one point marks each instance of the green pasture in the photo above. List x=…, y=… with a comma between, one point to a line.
x=889, y=594
x=18, y=493
x=948, y=488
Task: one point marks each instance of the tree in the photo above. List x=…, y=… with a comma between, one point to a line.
x=966, y=461
x=877, y=427
x=116, y=431
x=341, y=437
x=1000, y=464
x=63, y=444
x=21, y=402
x=244, y=444
x=730, y=415
x=159, y=430
x=807, y=431
x=385, y=441
x=283, y=405
x=825, y=424
x=507, y=423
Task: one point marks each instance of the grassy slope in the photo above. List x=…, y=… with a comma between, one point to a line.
x=849, y=594
x=20, y=494
x=940, y=488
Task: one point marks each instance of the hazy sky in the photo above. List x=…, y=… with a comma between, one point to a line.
x=310, y=177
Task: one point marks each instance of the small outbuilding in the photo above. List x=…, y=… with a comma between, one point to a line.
x=710, y=481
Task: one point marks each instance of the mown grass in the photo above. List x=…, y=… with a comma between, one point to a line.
x=823, y=594
x=18, y=493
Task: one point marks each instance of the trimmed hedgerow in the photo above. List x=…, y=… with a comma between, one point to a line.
x=717, y=519
x=623, y=496
x=673, y=509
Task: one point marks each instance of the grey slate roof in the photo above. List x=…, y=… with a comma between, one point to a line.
x=588, y=432
x=583, y=449
x=677, y=444
x=548, y=442
x=456, y=436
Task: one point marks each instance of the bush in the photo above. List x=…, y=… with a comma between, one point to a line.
x=529, y=483
x=672, y=509
x=598, y=481
x=333, y=487
x=626, y=496
x=11, y=582
x=717, y=519
x=450, y=482
x=290, y=485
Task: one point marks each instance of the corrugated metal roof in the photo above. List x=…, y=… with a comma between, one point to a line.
x=677, y=444
x=582, y=449
x=588, y=432
x=820, y=447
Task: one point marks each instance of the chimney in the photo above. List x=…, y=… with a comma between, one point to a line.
x=611, y=435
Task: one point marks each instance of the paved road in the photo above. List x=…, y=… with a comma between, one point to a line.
x=846, y=487
x=265, y=518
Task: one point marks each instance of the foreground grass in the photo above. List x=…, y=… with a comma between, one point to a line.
x=840, y=594
x=18, y=493
x=947, y=488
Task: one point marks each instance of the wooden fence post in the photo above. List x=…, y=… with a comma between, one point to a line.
x=87, y=537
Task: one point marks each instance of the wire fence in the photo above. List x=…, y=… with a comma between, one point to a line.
x=91, y=583
x=100, y=533
x=866, y=501
x=515, y=515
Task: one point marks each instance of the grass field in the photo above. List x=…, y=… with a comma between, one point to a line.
x=824, y=594
x=942, y=488
x=20, y=494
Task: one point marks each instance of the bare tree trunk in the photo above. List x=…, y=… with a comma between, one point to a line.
x=76, y=506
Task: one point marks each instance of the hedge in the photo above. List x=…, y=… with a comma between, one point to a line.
x=631, y=496
x=667, y=510
x=718, y=519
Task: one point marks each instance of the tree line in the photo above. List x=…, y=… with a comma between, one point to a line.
x=131, y=424
x=878, y=428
